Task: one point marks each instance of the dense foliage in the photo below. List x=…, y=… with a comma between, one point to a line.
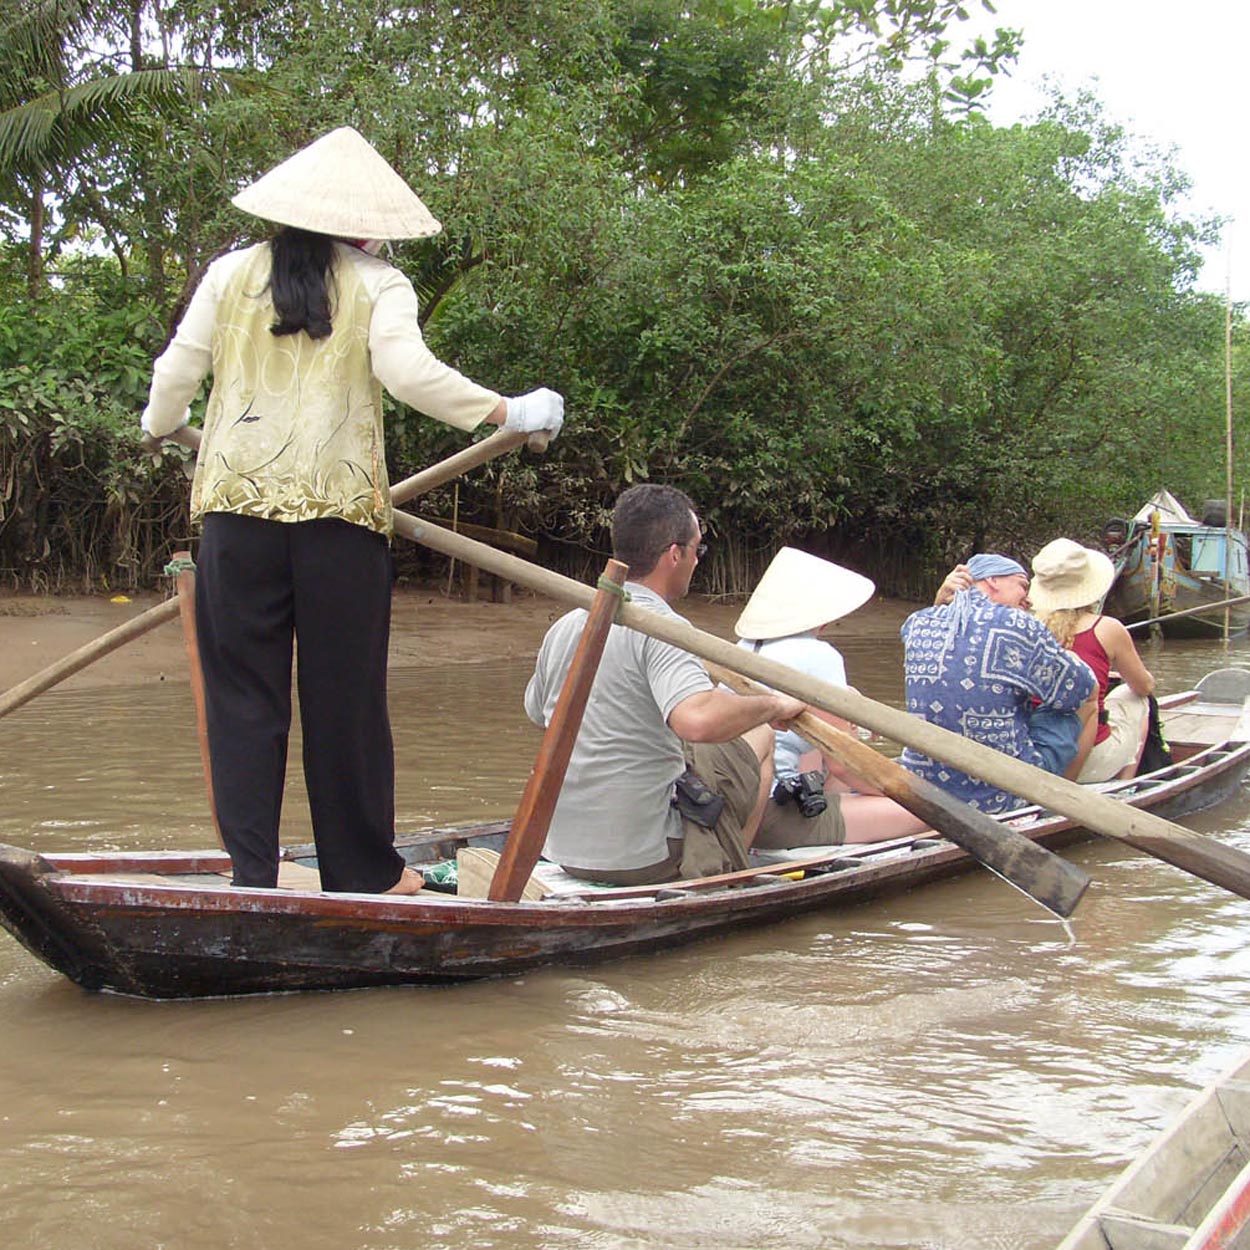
x=771, y=252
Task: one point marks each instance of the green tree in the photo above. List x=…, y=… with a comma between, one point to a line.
x=62, y=102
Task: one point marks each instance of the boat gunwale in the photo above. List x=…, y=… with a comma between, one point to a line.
x=72, y=876
x=1120, y=1200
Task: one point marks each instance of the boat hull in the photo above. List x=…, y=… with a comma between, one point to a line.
x=1190, y=1189
x=170, y=924
x=163, y=934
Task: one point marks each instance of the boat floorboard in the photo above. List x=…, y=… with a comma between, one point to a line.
x=297, y=877
x=1204, y=724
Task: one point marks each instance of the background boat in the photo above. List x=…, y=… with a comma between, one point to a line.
x=1190, y=1189
x=1167, y=562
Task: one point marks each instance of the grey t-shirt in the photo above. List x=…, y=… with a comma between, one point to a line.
x=614, y=810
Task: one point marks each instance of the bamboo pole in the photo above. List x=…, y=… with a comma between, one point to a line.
x=1204, y=607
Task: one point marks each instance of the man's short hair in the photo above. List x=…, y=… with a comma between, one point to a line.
x=646, y=522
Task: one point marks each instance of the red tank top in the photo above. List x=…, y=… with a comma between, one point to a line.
x=1087, y=646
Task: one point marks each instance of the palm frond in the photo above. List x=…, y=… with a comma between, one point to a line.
x=34, y=35
x=56, y=127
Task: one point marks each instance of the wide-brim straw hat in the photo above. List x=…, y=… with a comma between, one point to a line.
x=801, y=592
x=1067, y=575
x=339, y=185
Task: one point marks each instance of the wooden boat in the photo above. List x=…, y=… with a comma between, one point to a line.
x=1167, y=562
x=170, y=924
x=1190, y=1190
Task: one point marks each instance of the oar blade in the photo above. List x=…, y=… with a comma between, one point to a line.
x=1053, y=881
x=1215, y=862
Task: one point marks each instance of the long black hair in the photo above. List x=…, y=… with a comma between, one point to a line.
x=299, y=283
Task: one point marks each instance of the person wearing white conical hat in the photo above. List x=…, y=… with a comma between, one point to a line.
x=798, y=596
x=291, y=491
x=1069, y=584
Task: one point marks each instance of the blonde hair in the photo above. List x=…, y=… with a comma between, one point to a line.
x=1062, y=622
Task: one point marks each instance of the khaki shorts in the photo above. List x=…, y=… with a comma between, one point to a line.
x=784, y=827
x=729, y=768
x=1127, y=714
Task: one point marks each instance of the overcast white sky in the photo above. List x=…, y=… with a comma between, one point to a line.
x=1171, y=71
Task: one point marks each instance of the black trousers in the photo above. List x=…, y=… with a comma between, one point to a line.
x=262, y=589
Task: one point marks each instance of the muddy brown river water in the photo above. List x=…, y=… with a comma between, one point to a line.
x=944, y=1070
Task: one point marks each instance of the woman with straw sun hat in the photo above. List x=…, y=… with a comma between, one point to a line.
x=1069, y=582
x=796, y=598
x=301, y=333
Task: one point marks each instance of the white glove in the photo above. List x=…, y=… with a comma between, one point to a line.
x=539, y=410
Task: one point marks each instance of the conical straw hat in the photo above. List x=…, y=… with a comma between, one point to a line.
x=801, y=592
x=339, y=185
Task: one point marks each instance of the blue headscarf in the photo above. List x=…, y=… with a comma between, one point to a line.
x=983, y=564
x=991, y=564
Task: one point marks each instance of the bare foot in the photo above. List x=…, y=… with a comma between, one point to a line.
x=409, y=882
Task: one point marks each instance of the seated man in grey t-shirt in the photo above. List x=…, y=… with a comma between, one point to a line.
x=651, y=706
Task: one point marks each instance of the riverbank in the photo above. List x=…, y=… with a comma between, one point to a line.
x=427, y=629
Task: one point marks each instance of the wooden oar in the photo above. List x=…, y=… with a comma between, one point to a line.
x=191, y=640
x=497, y=444
x=1213, y=861
x=88, y=653
x=479, y=453
x=1043, y=876
x=538, y=801
x=1205, y=607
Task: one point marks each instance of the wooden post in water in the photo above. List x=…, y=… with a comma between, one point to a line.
x=1228, y=452
x=191, y=639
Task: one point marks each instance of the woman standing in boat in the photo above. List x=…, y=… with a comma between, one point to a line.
x=291, y=489
x=1069, y=582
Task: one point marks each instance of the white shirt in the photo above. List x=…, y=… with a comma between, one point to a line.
x=809, y=655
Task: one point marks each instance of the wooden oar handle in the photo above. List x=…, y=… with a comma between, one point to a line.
x=538, y=801
x=497, y=444
x=76, y=661
x=186, y=609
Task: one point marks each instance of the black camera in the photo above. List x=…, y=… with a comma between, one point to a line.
x=807, y=790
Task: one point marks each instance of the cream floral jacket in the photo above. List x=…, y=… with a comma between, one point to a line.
x=293, y=429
